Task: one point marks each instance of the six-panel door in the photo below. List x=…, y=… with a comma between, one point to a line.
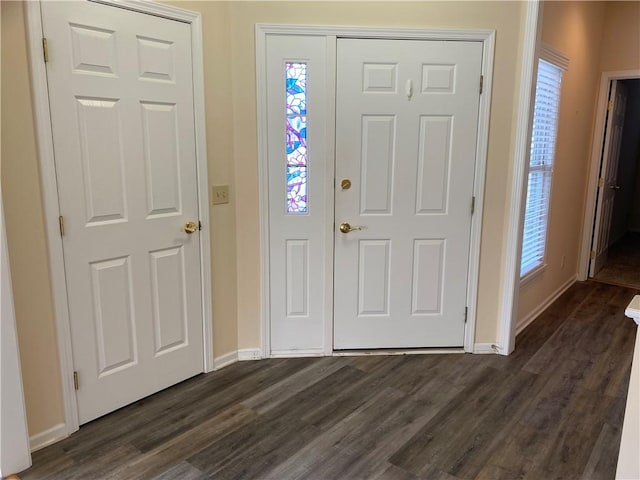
x=120, y=86
x=406, y=130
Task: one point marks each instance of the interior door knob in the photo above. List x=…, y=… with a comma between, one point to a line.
x=346, y=228
x=190, y=227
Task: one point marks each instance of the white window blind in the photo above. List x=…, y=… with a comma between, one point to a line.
x=543, y=143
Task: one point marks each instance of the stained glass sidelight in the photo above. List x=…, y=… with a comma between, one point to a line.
x=296, y=136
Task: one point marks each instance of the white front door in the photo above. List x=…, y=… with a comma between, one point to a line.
x=120, y=89
x=406, y=131
x=607, y=187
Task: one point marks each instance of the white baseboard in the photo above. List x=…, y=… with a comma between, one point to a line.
x=484, y=348
x=531, y=316
x=249, y=354
x=46, y=438
x=225, y=360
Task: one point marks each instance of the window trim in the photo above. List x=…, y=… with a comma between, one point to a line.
x=560, y=61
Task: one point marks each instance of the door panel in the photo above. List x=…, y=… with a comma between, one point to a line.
x=609, y=173
x=406, y=130
x=298, y=242
x=373, y=280
x=378, y=150
x=433, y=164
x=114, y=316
x=121, y=102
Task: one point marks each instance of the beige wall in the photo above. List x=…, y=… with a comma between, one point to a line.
x=232, y=158
x=621, y=38
x=25, y=231
x=596, y=37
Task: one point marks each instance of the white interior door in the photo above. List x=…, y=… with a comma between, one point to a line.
x=607, y=186
x=121, y=98
x=406, y=130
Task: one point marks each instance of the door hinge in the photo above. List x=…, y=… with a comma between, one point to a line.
x=481, y=82
x=76, y=383
x=593, y=254
x=473, y=204
x=466, y=314
x=45, y=50
x=601, y=182
x=61, y=222
x=610, y=106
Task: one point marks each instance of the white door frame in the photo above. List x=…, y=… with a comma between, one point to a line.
x=331, y=33
x=532, y=37
x=594, y=166
x=50, y=191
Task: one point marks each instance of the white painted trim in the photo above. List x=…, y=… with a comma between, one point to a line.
x=533, y=274
x=332, y=33
x=329, y=194
x=152, y=8
x=40, y=97
x=203, y=190
x=225, y=360
x=633, y=310
x=628, y=460
x=44, y=439
x=344, y=31
x=263, y=189
x=556, y=57
x=515, y=221
x=250, y=354
x=594, y=168
x=531, y=316
x=482, y=149
x=50, y=188
x=485, y=348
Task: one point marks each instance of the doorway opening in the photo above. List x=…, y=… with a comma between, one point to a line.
x=615, y=238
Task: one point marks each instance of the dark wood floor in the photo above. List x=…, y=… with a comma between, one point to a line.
x=551, y=410
x=623, y=262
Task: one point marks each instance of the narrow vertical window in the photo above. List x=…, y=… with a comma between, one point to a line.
x=542, y=157
x=296, y=136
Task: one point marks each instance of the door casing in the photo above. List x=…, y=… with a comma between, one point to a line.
x=50, y=194
x=331, y=33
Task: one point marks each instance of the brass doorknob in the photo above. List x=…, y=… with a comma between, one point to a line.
x=346, y=228
x=190, y=227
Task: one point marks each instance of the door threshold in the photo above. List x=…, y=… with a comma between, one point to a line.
x=398, y=351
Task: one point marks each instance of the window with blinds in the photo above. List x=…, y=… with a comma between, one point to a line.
x=543, y=143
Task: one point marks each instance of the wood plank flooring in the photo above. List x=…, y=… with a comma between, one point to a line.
x=551, y=410
x=623, y=262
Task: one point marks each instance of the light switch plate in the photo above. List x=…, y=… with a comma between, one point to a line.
x=220, y=194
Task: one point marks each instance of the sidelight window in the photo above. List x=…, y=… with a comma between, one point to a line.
x=296, y=136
